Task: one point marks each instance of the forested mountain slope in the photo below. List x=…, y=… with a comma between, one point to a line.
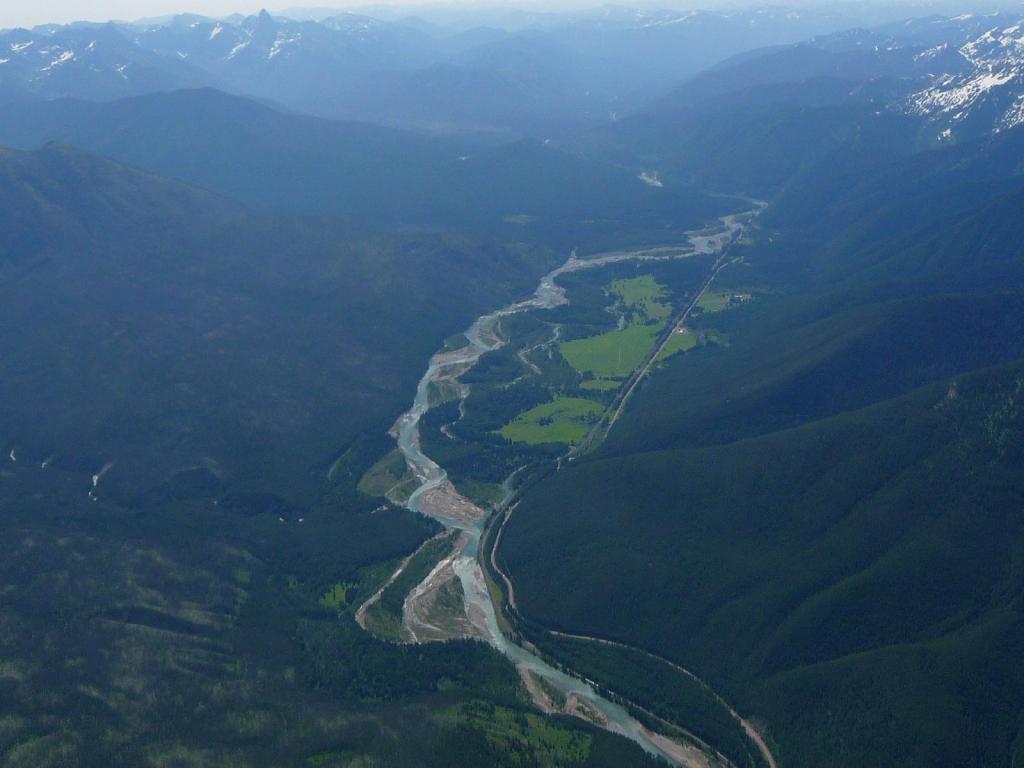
x=385, y=177
x=191, y=391
x=754, y=120
x=803, y=521
x=824, y=576
x=820, y=516
x=179, y=330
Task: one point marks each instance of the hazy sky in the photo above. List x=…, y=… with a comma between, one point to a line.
x=14, y=13
x=26, y=13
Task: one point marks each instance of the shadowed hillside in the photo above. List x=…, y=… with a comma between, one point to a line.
x=820, y=516
x=178, y=330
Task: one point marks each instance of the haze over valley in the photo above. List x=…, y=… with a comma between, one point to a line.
x=517, y=387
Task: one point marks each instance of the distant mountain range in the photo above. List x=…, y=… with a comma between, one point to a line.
x=229, y=248
x=749, y=122
x=988, y=93
x=570, y=72
x=821, y=516
x=524, y=190
x=962, y=74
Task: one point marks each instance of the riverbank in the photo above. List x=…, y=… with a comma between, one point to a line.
x=435, y=496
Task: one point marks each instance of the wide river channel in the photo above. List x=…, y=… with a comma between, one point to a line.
x=482, y=337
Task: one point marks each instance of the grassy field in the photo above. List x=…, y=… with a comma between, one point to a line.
x=642, y=295
x=336, y=597
x=711, y=336
x=618, y=353
x=564, y=420
x=483, y=494
x=713, y=301
x=386, y=475
x=678, y=342
x=611, y=354
x=601, y=384
x=384, y=625
x=716, y=301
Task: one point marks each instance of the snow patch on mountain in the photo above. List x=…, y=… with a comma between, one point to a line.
x=953, y=94
x=1014, y=115
x=239, y=48
x=671, y=21
x=994, y=82
x=650, y=178
x=931, y=53
x=62, y=59
x=280, y=42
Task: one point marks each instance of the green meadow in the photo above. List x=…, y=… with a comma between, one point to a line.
x=713, y=301
x=611, y=354
x=678, y=342
x=336, y=597
x=601, y=384
x=642, y=295
x=617, y=353
x=564, y=420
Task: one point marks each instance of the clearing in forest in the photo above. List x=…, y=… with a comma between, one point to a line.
x=564, y=420
x=617, y=353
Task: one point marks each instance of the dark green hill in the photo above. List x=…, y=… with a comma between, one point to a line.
x=820, y=515
x=806, y=66
x=993, y=233
x=794, y=361
x=162, y=328
x=754, y=122
x=824, y=576
x=268, y=158
x=852, y=214
x=756, y=140
x=190, y=392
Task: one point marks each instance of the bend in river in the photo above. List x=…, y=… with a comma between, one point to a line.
x=436, y=497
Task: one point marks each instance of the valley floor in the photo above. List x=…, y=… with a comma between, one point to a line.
x=459, y=575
